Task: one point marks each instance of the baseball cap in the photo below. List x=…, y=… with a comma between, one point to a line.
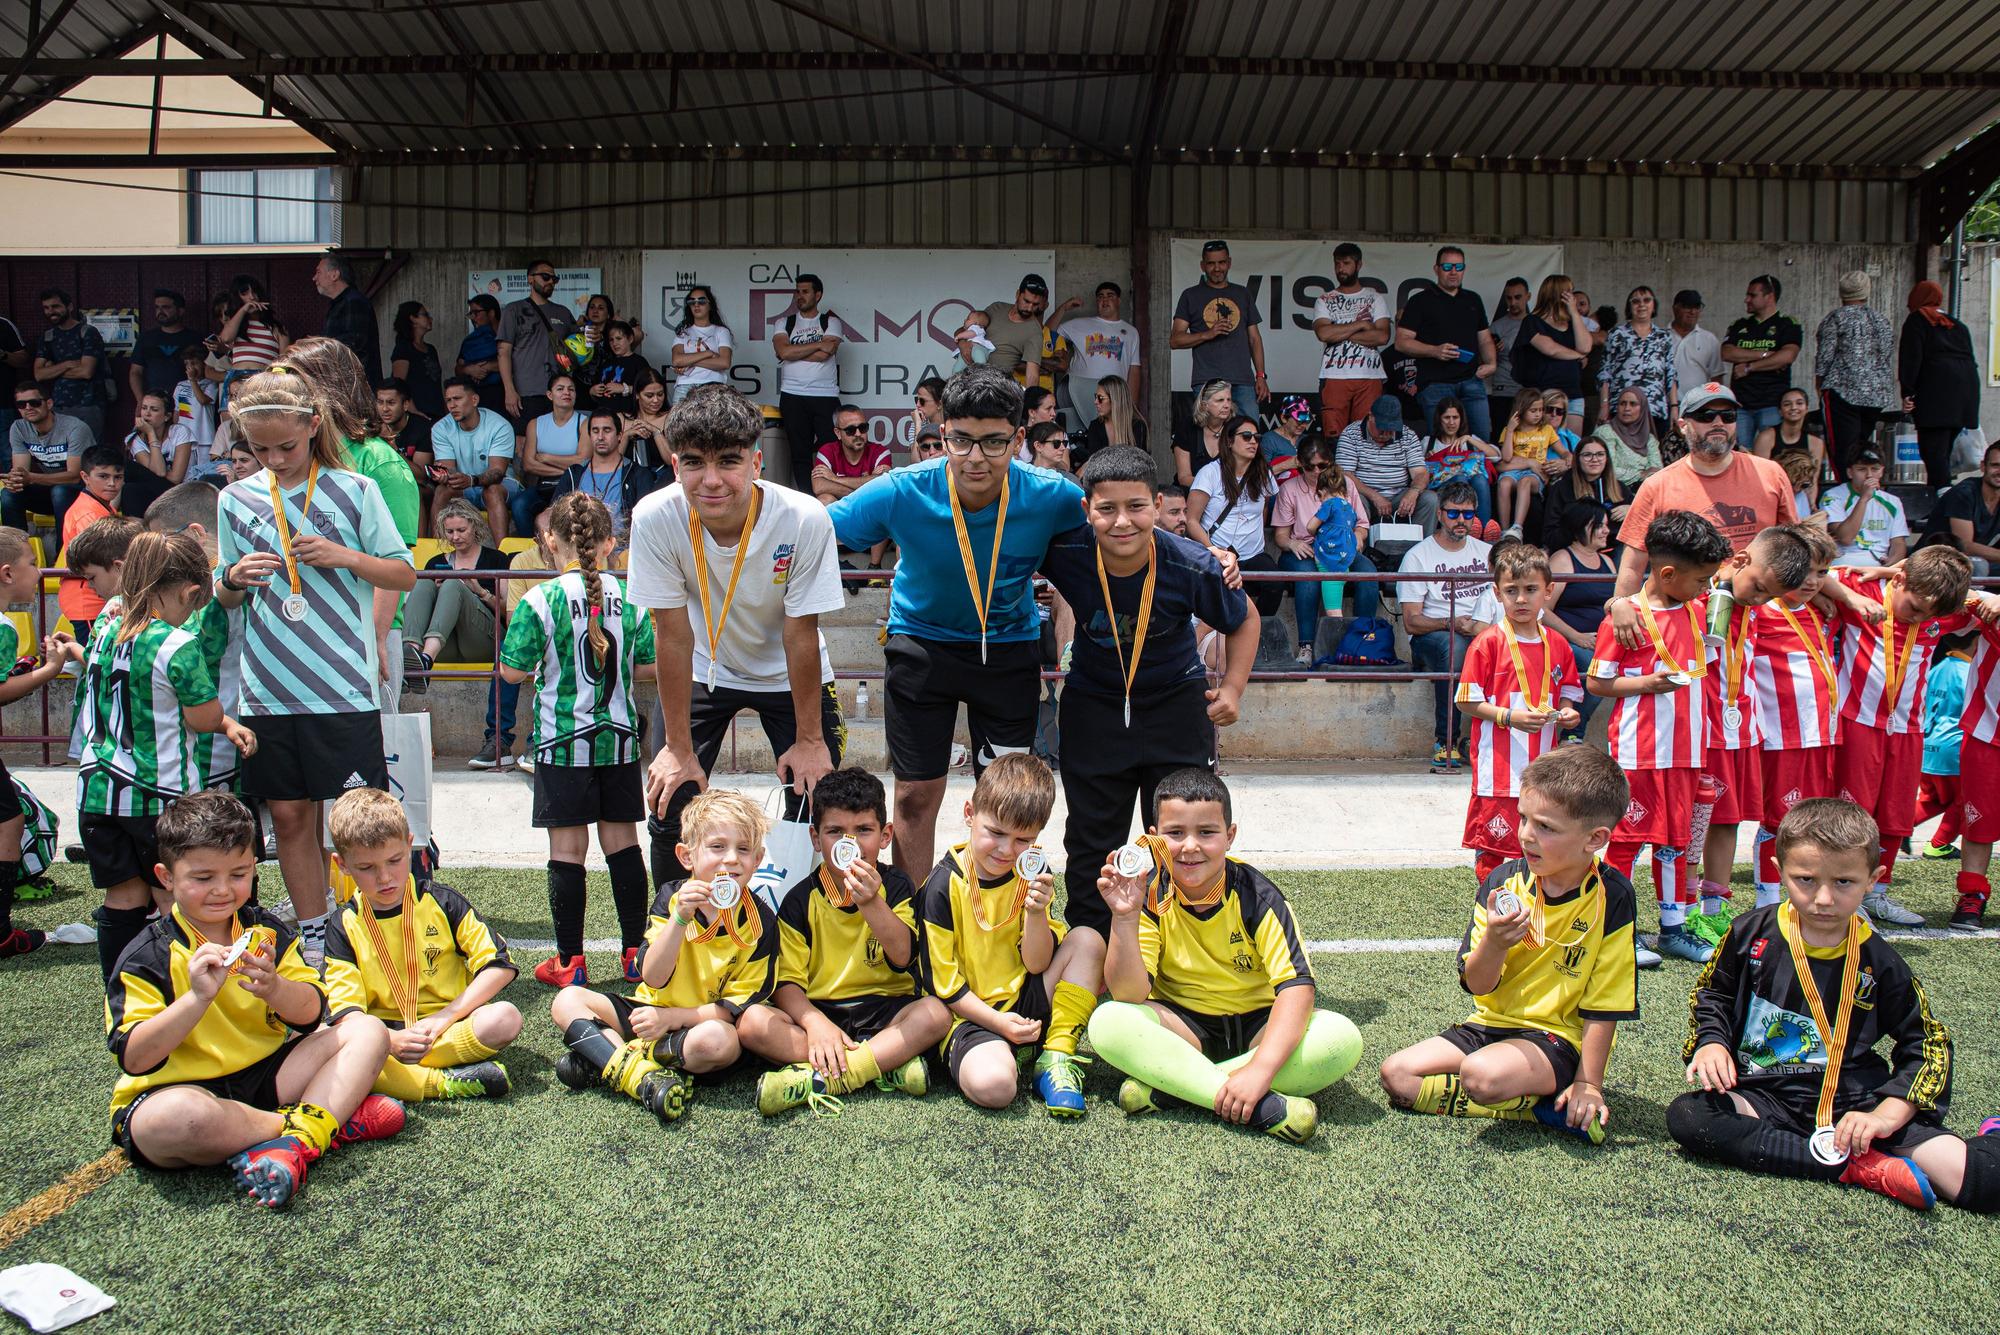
x=930, y=431
x=1036, y=284
x=1388, y=414
x=1865, y=457
x=1703, y=395
x=1689, y=298
x=1210, y=247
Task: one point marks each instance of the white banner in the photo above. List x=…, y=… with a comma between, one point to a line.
x=1287, y=277
x=896, y=311
x=574, y=287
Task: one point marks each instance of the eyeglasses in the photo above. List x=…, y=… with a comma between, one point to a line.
x=959, y=445
x=1452, y=268
x=1305, y=467
x=855, y=430
x=1246, y=435
x=1461, y=514
x=1726, y=416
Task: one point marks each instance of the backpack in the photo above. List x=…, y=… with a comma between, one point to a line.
x=1333, y=544
x=41, y=835
x=1368, y=642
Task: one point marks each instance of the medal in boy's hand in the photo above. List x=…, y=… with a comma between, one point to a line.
x=844, y=854
x=1032, y=863
x=724, y=893
x=1824, y=1149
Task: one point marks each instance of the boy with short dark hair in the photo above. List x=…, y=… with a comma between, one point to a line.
x=103, y=483
x=97, y=554
x=1549, y=961
x=846, y=1010
x=1212, y=992
x=1782, y=1029
x=417, y=958
x=1014, y=980
x=215, y=1019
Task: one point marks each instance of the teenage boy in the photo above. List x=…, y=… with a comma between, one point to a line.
x=1798, y=703
x=1866, y=521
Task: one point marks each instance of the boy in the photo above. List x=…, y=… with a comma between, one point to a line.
x=846, y=1010
x=19, y=581
x=705, y=964
x=1519, y=688
x=1867, y=522
x=221, y=1053
x=103, y=483
x=1212, y=993
x=1798, y=703
x=419, y=959
x=1012, y=979
x=1782, y=1029
x=1137, y=705
x=1549, y=961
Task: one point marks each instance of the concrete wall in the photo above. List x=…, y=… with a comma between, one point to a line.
x=1976, y=308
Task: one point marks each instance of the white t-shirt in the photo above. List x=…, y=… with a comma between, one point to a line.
x=1697, y=359
x=1430, y=558
x=170, y=445
x=791, y=569
x=1348, y=360
x=704, y=338
x=1101, y=347
x=817, y=379
x=1243, y=531
x=1883, y=524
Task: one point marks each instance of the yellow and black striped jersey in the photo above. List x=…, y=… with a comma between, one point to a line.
x=236, y=1031
x=1230, y=958
x=454, y=946
x=831, y=953
x=718, y=970
x=959, y=955
x=1584, y=968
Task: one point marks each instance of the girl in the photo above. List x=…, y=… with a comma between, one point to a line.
x=161, y=452
x=585, y=645
x=1580, y=603
x=304, y=546
x=616, y=370
x=646, y=430
x=1553, y=343
x=252, y=332
x=1454, y=453
x=1226, y=505
x=1790, y=436
x=1298, y=501
x=554, y=442
x=1592, y=482
x=415, y=362
x=1117, y=421
x=1525, y=446
x=702, y=343
x=1201, y=443
x=146, y=687
x=1336, y=527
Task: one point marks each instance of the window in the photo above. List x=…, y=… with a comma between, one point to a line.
x=274, y=207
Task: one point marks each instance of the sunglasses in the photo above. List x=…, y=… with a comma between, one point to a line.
x=1246, y=435
x=853, y=430
x=29, y=403
x=1461, y=514
x=549, y=276
x=1724, y=415
x=1452, y=268
x=697, y=301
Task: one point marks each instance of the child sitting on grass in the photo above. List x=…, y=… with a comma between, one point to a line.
x=1549, y=961
x=419, y=960
x=1212, y=993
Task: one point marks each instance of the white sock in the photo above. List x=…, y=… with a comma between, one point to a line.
x=1767, y=895
x=1673, y=917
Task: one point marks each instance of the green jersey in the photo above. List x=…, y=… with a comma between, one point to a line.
x=139, y=753
x=584, y=711
x=220, y=631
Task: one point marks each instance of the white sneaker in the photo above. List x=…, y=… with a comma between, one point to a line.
x=1304, y=656
x=1511, y=531
x=526, y=762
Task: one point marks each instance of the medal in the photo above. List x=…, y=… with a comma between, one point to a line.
x=983, y=605
x=969, y=873
x=1032, y=863
x=1894, y=671
x=1132, y=861
x=1823, y=1149
x=1735, y=661
x=845, y=853
x=1506, y=903
x=1732, y=717
x=403, y=986
x=724, y=887
x=712, y=623
x=1130, y=670
x=725, y=893
x=1821, y=1144
x=236, y=951
x=1814, y=644
x=293, y=607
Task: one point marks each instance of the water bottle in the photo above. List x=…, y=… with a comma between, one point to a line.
x=861, y=700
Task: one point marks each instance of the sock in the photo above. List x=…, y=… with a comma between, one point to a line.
x=1667, y=878
x=566, y=907
x=411, y=1084
x=1328, y=1050
x=1712, y=895
x=1980, y=1192
x=1069, y=1012
x=1769, y=891
x=1707, y=1124
x=313, y=1125
x=629, y=1065
x=1885, y=870
x=10, y=876
x=628, y=891
x=1132, y=1039
x=1623, y=855
x=862, y=1070
x=1484, y=864
x=457, y=1046
x=1443, y=1095
x=587, y=1039
x=115, y=930
x=312, y=931
x=1975, y=883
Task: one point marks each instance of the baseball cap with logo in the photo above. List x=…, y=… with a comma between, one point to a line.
x=1036, y=284
x=1703, y=395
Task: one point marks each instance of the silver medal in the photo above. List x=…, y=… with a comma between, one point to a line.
x=237, y=950
x=1128, y=711
x=1506, y=903
x=1032, y=863
x=724, y=893
x=1132, y=861
x=845, y=853
x=294, y=607
x=711, y=674
x=1680, y=679
x=1823, y=1148
x=1732, y=717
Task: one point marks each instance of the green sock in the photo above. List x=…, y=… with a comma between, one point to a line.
x=1329, y=1049
x=1132, y=1039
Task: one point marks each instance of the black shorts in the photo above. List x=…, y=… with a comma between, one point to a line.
x=1222, y=1036
x=1032, y=1003
x=925, y=681
x=709, y=715
x=861, y=1018
x=255, y=1085
x=119, y=848
x=10, y=797
x=570, y=795
x=622, y=1006
x=1769, y=1108
x=314, y=757
x=1562, y=1053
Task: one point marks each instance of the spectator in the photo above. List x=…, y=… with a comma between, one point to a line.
x=1048, y=447
x=930, y=403
x=1281, y=443
x=159, y=353
x=1697, y=353
x=1790, y=436
x=608, y=475
x=846, y=463
x=1298, y=501
x=474, y=446
x=1506, y=324
x=1553, y=345
x=1532, y=451
x=1053, y=362
x=1226, y=506
x=1104, y=345
x=160, y=452
x=1453, y=455
x=1200, y=442
x=1117, y=420
x=1967, y=516
x=408, y=433
x=1585, y=539
x=1352, y=321
x=1641, y=354
x=414, y=362
x=1014, y=328
x=479, y=353
x=1599, y=322
x=193, y=397
x=1173, y=508
x=101, y=497
x=251, y=331
x=14, y=359
x=1436, y=613
x=553, y=444
x=808, y=376
x=1854, y=369
x=47, y=447
x=1760, y=348
x=457, y=620
x=1940, y=379
x=645, y=431
x=1038, y=405
x=703, y=347
x=1386, y=461
x=69, y=360
x=1219, y=320
x=928, y=445
x=1592, y=482
x=1803, y=471
x=1443, y=328
x=350, y=316
x=1635, y=452
x=530, y=345
x=1867, y=522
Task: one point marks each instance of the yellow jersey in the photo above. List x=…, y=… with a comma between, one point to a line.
x=831, y=953
x=1585, y=967
x=730, y=973
x=959, y=955
x=454, y=946
x=1230, y=958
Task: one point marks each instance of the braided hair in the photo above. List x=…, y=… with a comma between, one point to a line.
x=582, y=524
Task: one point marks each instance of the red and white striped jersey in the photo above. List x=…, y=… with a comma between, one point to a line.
x=1981, y=720
x=1796, y=681
x=1746, y=730
x=1665, y=731
x=1864, y=681
x=1500, y=754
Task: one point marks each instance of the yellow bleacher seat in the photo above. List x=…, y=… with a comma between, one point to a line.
x=513, y=546
x=50, y=582
x=24, y=628
x=424, y=549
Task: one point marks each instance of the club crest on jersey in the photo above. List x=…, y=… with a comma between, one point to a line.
x=1864, y=990
x=1757, y=947
x=1244, y=963
x=432, y=954
x=1972, y=814
x=781, y=562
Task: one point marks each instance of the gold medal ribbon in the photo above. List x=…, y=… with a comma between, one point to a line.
x=711, y=623
x=1131, y=670
x=1521, y=668
x=836, y=892
x=1736, y=656
x=403, y=985
x=1697, y=669
x=982, y=604
x=284, y=527
x=970, y=874
x=1814, y=643
x=1850, y=977
x=1894, y=671
x=726, y=922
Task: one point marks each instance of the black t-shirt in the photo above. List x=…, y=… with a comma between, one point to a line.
x=159, y=354
x=1763, y=389
x=10, y=342
x=1533, y=370
x=425, y=378
x=1189, y=584
x=626, y=371
x=490, y=558
x=1964, y=501
x=415, y=437
x=1435, y=318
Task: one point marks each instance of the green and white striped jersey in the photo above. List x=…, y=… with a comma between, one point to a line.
x=220, y=631
x=585, y=713
x=139, y=753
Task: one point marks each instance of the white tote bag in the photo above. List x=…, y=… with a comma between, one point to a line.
x=1968, y=451
x=789, y=855
x=406, y=750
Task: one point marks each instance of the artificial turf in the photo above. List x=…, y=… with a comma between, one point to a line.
x=553, y=1210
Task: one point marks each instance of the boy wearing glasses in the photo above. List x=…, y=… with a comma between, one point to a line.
x=847, y=461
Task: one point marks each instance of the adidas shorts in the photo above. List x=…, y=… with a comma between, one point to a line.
x=314, y=757
x=1562, y=1054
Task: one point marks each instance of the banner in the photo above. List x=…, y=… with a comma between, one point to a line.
x=1287, y=277
x=574, y=287
x=895, y=310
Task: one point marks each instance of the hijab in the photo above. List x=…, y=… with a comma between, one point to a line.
x=1926, y=299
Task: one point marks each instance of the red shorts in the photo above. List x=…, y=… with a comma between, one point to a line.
x=1979, y=790
x=1880, y=771
x=1790, y=777
x=1739, y=784
x=1661, y=812
x=1493, y=824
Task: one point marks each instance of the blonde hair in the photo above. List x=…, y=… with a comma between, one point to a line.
x=721, y=808
x=1017, y=791
x=1209, y=389
x=155, y=565
x=1118, y=424
x=14, y=546
x=464, y=509
x=1332, y=481
x=337, y=376
x=367, y=818
x=582, y=523
x=1552, y=300
x=282, y=390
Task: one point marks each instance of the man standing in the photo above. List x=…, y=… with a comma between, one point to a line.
x=1104, y=345
x=475, y=448
x=808, y=376
x=1761, y=347
x=1505, y=328
x=350, y=316
x=1352, y=321
x=158, y=355
x=1014, y=328
x=45, y=459
x=67, y=361
x=528, y=343
x=1437, y=613
x=1219, y=320
x=479, y=353
x=1444, y=328
x=1385, y=461
x=1697, y=353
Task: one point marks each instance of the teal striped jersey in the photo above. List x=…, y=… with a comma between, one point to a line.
x=138, y=751
x=585, y=713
